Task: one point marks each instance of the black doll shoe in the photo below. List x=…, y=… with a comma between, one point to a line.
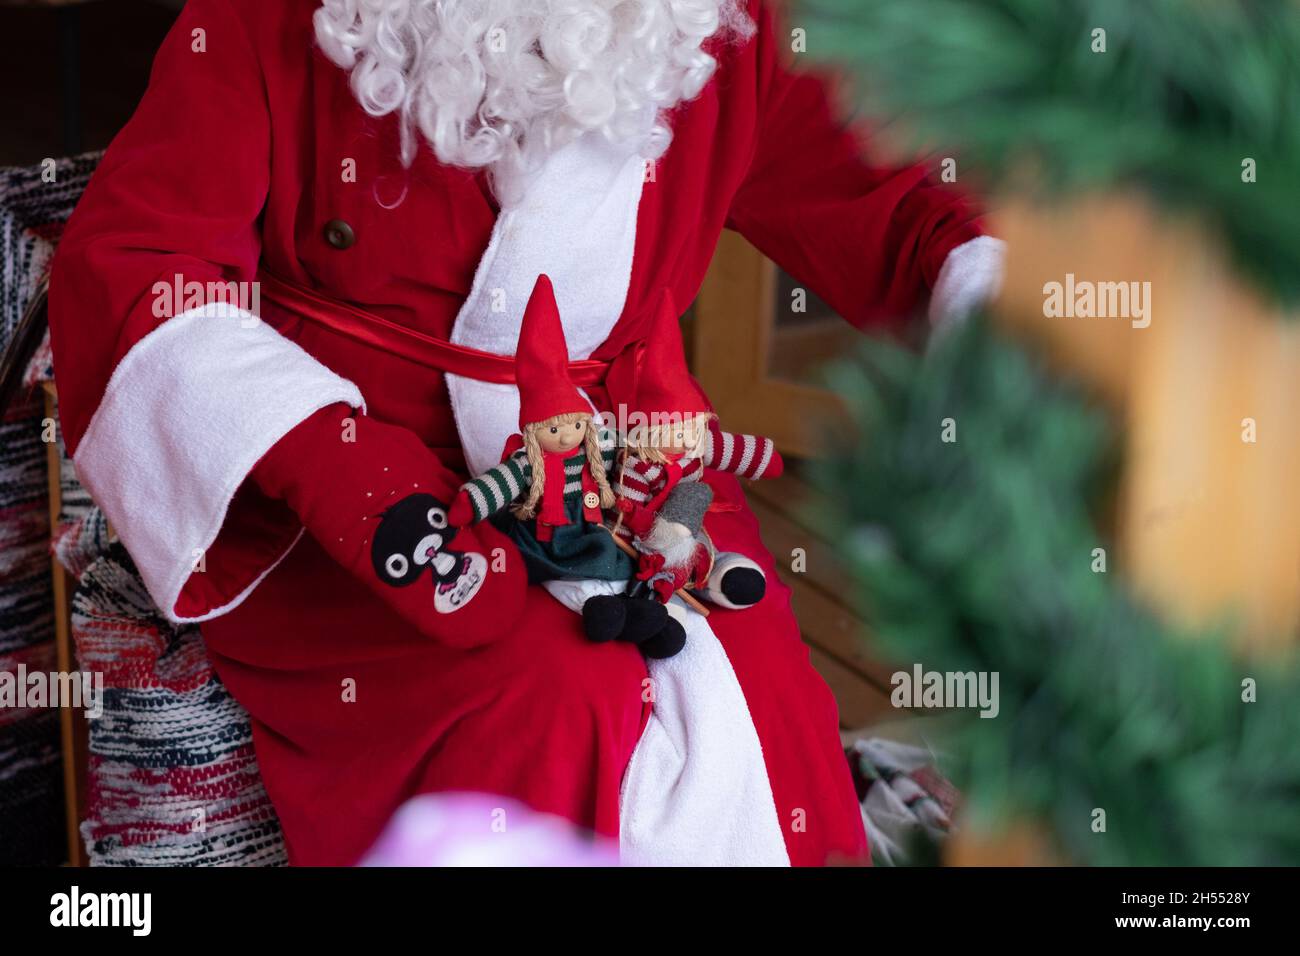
x=604, y=617
x=644, y=619
x=743, y=587
x=670, y=639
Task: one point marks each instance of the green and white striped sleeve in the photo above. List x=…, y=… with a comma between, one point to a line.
x=499, y=486
x=608, y=448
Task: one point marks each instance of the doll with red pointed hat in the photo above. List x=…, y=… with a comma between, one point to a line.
x=554, y=480
x=672, y=436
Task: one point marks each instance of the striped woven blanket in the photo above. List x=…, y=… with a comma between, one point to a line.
x=172, y=779
x=33, y=208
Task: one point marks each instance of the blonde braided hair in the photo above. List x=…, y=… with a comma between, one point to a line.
x=533, y=449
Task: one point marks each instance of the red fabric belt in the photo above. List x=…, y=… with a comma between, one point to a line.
x=370, y=329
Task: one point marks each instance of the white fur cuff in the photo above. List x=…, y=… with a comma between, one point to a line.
x=971, y=276
x=186, y=415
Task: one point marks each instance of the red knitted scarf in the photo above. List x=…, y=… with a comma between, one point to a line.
x=552, y=510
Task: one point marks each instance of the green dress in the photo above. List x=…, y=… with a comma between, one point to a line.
x=579, y=549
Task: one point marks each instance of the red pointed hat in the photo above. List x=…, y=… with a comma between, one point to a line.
x=663, y=382
x=542, y=361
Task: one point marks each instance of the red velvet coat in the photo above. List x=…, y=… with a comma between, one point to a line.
x=235, y=157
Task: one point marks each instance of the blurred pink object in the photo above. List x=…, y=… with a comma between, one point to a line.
x=470, y=829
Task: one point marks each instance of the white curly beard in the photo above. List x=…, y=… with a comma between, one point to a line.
x=502, y=83
x=667, y=538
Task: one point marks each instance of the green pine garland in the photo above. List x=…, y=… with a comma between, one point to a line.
x=977, y=555
x=1185, y=91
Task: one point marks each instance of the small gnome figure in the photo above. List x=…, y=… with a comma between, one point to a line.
x=553, y=477
x=678, y=437
x=675, y=554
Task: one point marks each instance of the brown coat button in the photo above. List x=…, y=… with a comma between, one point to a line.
x=591, y=499
x=339, y=234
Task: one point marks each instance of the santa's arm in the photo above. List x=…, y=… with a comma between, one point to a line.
x=168, y=403
x=165, y=403
x=872, y=239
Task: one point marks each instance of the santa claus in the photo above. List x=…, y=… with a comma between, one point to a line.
x=395, y=174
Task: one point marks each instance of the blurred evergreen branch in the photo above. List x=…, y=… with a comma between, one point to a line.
x=1185, y=91
x=976, y=555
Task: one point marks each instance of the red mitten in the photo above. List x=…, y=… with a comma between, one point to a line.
x=374, y=497
x=461, y=512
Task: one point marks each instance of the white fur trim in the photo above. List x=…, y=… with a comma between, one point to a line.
x=696, y=791
x=970, y=277
x=577, y=224
x=187, y=414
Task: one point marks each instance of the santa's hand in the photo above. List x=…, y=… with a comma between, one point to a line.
x=461, y=512
x=377, y=503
